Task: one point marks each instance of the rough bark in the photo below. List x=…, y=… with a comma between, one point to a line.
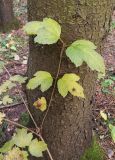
x=7, y=19
x=68, y=127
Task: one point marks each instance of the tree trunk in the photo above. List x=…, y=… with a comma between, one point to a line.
x=68, y=126
x=7, y=19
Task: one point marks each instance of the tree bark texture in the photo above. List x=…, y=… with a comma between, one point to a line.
x=7, y=19
x=68, y=126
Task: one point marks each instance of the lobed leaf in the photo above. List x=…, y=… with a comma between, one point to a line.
x=31, y=28
x=6, y=85
x=103, y=115
x=68, y=84
x=112, y=128
x=42, y=79
x=22, y=138
x=37, y=147
x=48, y=31
x=2, y=115
x=7, y=100
x=18, y=78
x=7, y=146
x=41, y=104
x=1, y=157
x=84, y=51
x=16, y=154
x=1, y=66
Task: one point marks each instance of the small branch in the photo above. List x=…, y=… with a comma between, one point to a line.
x=53, y=90
x=47, y=148
x=19, y=125
x=11, y=105
x=37, y=128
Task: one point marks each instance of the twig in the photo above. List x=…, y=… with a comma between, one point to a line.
x=37, y=128
x=47, y=148
x=53, y=90
x=19, y=125
x=11, y=105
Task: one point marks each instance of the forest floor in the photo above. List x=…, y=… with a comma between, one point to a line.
x=14, y=52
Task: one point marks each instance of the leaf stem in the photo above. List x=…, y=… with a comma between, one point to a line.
x=47, y=148
x=19, y=125
x=53, y=90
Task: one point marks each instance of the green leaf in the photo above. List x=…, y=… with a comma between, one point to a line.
x=37, y=147
x=13, y=47
x=31, y=28
x=113, y=78
x=2, y=115
x=25, y=155
x=49, y=32
x=16, y=154
x=103, y=115
x=84, y=51
x=43, y=79
x=1, y=63
x=112, y=128
x=1, y=66
x=107, y=83
x=41, y=104
x=22, y=138
x=18, y=78
x=68, y=84
x=7, y=146
x=1, y=157
x=7, y=100
x=6, y=85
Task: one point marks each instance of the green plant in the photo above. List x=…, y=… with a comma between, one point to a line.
x=94, y=152
x=78, y=52
x=108, y=85
x=9, y=84
x=24, y=119
x=112, y=25
x=109, y=123
x=8, y=46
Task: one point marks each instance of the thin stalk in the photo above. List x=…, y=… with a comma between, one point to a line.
x=47, y=148
x=54, y=87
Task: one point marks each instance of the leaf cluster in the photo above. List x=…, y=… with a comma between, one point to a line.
x=21, y=145
x=8, y=85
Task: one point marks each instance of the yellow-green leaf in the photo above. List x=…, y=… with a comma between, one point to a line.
x=112, y=129
x=7, y=146
x=1, y=66
x=42, y=79
x=31, y=28
x=84, y=51
x=68, y=84
x=37, y=147
x=2, y=115
x=41, y=104
x=49, y=32
x=16, y=154
x=6, y=85
x=1, y=157
x=103, y=115
x=18, y=78
x=22, y=138
x=7, y=100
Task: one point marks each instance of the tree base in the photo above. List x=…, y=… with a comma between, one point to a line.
x=14, y=24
